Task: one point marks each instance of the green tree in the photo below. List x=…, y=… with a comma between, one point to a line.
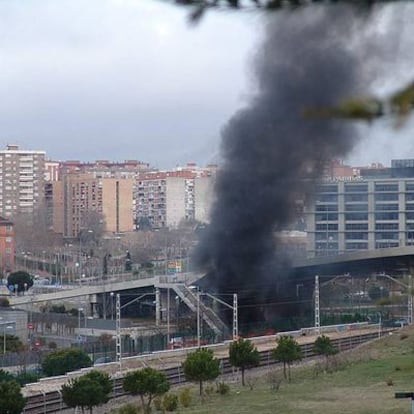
x=323, y=346
x=87, y=391
x=65, y=360
x=244, y=355
x=147, y=383
x=201, y=366
x=287, y=351
x=5, y=376
x=11, y=397
x=22, y=279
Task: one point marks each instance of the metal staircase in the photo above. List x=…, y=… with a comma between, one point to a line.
x=193, y=301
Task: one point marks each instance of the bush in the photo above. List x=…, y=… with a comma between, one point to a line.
x=170, y=402
x=4, y=302
x=24, y=378
x=62, y=361
x=127, y=409
x=223, y=388
x=185, y=397
x=209, y=390
x=158, y=403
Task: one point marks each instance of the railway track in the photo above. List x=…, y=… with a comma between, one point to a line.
x=50, y=402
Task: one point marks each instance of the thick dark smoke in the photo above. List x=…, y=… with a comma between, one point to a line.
x=272, y=154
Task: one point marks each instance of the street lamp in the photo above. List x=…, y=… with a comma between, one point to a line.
x=112, y=305
x=6, y=325
x=80, y=310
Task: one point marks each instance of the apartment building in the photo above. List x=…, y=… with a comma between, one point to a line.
x=77, y=195
x=6, y=245
x=371, y=211
x=21, y=180
x=165, y=198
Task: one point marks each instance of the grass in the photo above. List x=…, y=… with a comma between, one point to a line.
x=361, y=382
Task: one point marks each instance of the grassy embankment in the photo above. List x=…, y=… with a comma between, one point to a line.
x=359, y=382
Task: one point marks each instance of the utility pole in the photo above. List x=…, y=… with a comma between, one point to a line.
x=118, y=332
x=317, y=306
x=198, y=320
x=235, y=318
x=168, y=316
x=410, y=299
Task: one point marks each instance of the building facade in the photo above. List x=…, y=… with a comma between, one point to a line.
x=165, y=198
x=78, y=195
x=21, y=180
x=372, y=211
x=6, y=246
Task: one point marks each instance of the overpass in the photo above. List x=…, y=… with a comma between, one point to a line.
x=126, y=281
x=389, y=260
x=179, y=283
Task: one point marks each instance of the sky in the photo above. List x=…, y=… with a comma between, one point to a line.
x=131, y=79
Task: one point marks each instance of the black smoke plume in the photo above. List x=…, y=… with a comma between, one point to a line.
x=272, y=154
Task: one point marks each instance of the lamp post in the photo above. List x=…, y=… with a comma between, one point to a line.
x=80, y=310
x=112, y=305
x=6, y=325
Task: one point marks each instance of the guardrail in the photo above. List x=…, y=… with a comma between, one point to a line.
x=50, y=402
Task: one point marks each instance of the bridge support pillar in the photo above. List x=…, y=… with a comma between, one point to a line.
x=157, y=307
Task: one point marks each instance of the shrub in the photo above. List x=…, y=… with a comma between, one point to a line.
x=127, y=409
x=62, y=361
x=4, y=302
x=170, y=402
x=158, y=403
x=209, y=390
x=223, y=388
x=390, y=382
x=274, y=378
x=24, y=378
x=185, y=397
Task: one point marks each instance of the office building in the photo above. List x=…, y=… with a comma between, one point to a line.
x=371, y=211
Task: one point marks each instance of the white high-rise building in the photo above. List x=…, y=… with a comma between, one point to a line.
x=21, y=180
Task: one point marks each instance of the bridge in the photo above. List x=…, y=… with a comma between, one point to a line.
x=390, y=260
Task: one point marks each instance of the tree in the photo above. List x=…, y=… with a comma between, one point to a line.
x=201, y=366
x=287, y=351
x=65, y=360
x=22, y=279
x=147, y=383
x=88, y=391
x=323, y=346
x=11, y=398
x=244, y=355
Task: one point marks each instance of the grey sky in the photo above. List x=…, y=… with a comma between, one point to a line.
x=130, y=79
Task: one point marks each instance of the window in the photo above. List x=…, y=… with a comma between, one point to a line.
x=356, y=236
x=356, y=188
x=356, y=246
x=386, y=226
x=356, y=197
x=386, y=197
x=386, y=216
x=327, y=198
x=409, y=197
x=384, y=245
x=326, y=227
x=356, y=216
x=386, y=207
x=326, y=217
x=328, y=207
x=356, y=226
x=386, y=236
x=356, y=207
x=386, y=187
